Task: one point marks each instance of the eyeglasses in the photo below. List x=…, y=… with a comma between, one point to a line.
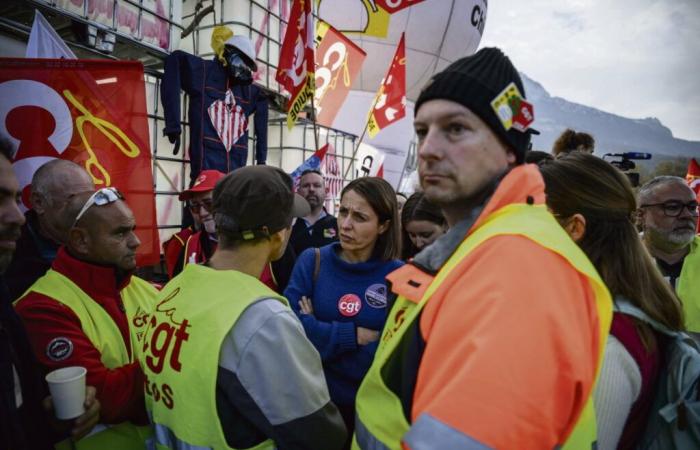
x=207, y=203
x=101, y=197
x=675, y=208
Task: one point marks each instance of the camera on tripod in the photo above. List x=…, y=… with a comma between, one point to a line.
x=625, y=163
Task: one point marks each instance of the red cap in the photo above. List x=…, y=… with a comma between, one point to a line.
x=205, y=182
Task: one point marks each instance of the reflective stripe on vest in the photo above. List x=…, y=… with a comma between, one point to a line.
x=380, y=420
x=688, y=289
x=138, y=297
x=180, y=357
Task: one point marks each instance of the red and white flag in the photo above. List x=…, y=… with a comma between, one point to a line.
x=338, y=60
x=91, y=112
x=295, y=71
x=390, y=102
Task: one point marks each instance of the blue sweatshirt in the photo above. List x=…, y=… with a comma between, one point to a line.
x=344, y=296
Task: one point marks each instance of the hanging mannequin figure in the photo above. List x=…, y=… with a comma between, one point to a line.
x=221, y=100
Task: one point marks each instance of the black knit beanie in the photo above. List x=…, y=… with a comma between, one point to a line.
x=474, y=82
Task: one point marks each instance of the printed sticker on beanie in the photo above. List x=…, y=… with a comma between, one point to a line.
x=512, y=109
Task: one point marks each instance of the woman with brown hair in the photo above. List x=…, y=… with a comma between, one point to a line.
x=595, y=203
x=339, y=292
x=422, y=223
x=573, y=141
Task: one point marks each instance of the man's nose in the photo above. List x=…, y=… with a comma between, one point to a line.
x=134, y=241
x=430, y=145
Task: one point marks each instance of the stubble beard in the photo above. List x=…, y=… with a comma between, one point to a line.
x=678, y=238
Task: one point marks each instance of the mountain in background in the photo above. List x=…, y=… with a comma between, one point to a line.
x=612, y=133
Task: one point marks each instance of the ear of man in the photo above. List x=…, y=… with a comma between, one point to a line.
x=39, y=202
x=79, y=241
x=79, y=238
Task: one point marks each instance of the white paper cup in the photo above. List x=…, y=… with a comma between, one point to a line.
x=67, y=387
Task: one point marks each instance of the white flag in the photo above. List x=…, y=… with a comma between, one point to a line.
x=44, y=42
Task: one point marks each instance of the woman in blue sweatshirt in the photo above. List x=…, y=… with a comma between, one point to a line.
x=342, y=300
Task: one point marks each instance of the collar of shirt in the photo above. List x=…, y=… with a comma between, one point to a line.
x=320, y=216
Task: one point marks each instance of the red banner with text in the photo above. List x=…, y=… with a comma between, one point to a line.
x=91, y=112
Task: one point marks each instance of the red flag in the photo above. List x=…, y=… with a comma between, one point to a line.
x=338, y=61
x=380, y=172
x=92, y=112
x=390, y=102
x=295, y=71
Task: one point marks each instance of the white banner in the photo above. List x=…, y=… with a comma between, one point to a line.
x=368, y=161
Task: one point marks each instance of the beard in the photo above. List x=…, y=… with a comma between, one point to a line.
x=678, y=237
x=314, y=201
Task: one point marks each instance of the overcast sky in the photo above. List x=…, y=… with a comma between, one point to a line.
x=635, y=58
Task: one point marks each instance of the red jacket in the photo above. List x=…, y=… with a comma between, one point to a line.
x=172, y=250
x=58, y=339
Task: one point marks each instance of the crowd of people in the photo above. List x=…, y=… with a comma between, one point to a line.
x=487, y=310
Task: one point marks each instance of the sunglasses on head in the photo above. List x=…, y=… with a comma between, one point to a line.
x=196, y=206
x=100, y=197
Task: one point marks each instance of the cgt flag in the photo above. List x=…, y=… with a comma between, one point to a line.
x=338, y=60
x=91, y=112
x=295, y=71
x=390, y=102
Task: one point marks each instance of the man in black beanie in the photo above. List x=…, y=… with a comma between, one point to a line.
x=499, y=327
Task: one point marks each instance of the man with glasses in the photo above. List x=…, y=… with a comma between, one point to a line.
x=194, y=246
x=668, y=216
x=53, y=184
x=89, y=310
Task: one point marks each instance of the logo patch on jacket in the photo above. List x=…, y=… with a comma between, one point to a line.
x=329, y=233
x=375, y=295
x=59, y=349
x=349, y=305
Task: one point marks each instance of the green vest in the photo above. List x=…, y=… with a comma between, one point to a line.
x=381, y=423
x=100, y=329
x=688, y=287
x=180, y=357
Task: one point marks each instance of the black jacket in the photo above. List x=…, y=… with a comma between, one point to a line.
x=25, y=427
x=323, y=232
x=33, y=257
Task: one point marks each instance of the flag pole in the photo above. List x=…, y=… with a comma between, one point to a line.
x=362, y=136
x=313, y=120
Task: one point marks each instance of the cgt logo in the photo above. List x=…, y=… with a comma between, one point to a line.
x=165, y=338
x=349, y=305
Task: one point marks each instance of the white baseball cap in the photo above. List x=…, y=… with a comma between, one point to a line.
x=245, y=45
